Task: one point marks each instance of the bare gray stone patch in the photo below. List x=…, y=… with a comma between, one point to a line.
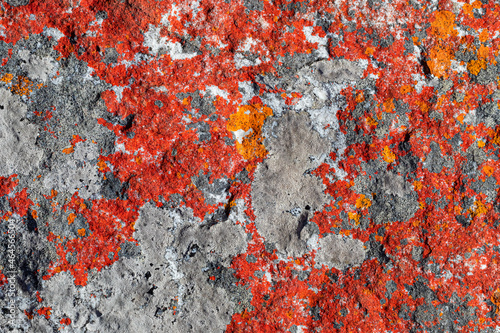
x=395, y=184
x=340, y=252
x=39, y=68
x=338, y=70
x=164, y=287
x=18, y=150
x=283, y=182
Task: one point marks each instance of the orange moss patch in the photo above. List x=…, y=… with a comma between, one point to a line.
x=249, y=120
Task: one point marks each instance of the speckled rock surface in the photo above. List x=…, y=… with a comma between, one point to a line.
x=249, y=166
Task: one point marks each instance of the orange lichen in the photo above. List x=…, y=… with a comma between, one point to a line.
x=417, y=185
x=65, y=321
x=475, y=66
x=249, y=119
x=68, y=150
x=354, y=216
x=389, y=105
x=369, y=51
x=424, y=106
x=360, y=97
x=363, y=202
x=488, y=170
x=468, y=8
x=484, y=36
x=388, y=155
x=7, y=78
x=101, y=165
x=22, y=87
x=443, y=24
x=81, y=232
x=45, y=311
x=480, y=209
x=495, y=299
x=440, y=60
x=371, y=122
x=71, y=218
x=406, y=89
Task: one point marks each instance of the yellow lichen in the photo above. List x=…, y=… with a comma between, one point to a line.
x=249, y=120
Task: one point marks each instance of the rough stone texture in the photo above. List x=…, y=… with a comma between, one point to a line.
x=18, y=152
x=284, y=195
x=249, y=166
x=340, y=252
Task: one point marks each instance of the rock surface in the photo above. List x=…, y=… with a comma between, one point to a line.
x=249, y=166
